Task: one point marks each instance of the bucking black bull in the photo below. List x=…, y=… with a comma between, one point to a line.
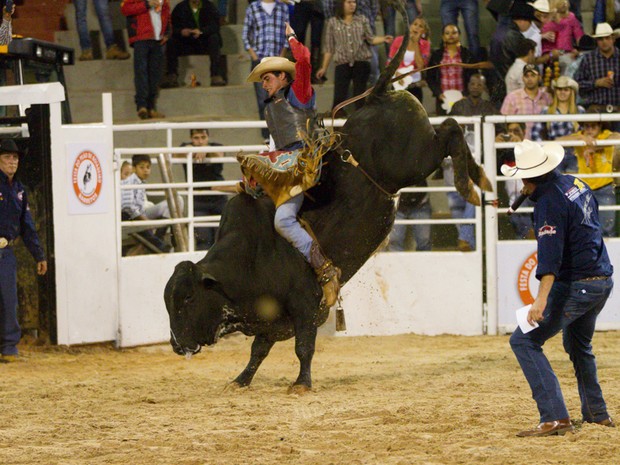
x=255, y=282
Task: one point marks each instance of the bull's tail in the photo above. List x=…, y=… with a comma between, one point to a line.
x=385, y=78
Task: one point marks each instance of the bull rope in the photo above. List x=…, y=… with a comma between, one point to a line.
x=479, y=65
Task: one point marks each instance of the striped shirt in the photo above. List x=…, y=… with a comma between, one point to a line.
x=264, y=32
x=595, y=66
x=133, y=201
x=348, y=42
x=6, y=32
x=368, y=8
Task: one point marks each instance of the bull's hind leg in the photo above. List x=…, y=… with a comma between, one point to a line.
x=305, y=340
x=452, y=142
x=260, y=349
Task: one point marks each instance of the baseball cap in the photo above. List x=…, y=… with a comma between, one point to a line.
x=530, y=69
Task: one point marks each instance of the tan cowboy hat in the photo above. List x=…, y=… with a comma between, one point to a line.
x=270, y=64
x=563, y=82
x=533, y=159
x=602, y=30
x=542, y=6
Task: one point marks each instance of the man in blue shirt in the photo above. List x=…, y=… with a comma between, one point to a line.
x=15, y=220
x=575, y=281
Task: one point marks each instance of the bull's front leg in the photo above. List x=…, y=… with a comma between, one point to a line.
x=260, y=349
x=305, y=340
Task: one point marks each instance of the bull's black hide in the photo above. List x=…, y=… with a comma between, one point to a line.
x=253, y=281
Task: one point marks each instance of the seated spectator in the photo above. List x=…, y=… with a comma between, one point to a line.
x=412, y=206
x=472, y=105
x=205, y=205
x=126, y=170
x=447, y=78
x=416, y=57
x=526, y=56
x=527, y=101
x=564, y=93
x=6, y=31
x=599, y=74
x=592, y=160
x=135, y=205
x=195, y=31
x=102, y=9
x=565, y=33
x=348, y=40
x=521, y=222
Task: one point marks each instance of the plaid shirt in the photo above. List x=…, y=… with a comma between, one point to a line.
x=265, y=33
x=555, y=129
x=593, y=67
x=451, y=76
x=6, y=33
x=519, y=103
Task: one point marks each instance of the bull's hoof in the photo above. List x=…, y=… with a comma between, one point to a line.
x=234, y=386
x=299, y=389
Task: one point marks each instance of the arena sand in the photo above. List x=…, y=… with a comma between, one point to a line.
x=376, y=400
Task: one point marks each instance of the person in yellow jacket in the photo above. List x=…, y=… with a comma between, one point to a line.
x=593, y=159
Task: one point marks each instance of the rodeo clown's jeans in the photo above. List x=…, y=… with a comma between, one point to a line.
x=572, y=307
x=288, y=226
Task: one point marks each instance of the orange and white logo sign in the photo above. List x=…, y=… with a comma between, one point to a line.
x=87, y=177
x=527, y=283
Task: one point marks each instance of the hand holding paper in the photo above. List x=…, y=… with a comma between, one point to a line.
x=522, y=319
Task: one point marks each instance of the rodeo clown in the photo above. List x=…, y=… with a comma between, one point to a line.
x=293, y=164
x=575, y=281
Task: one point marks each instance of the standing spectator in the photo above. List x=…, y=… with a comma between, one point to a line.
x=449, y=10
x=449, y=77
x=412, y=206
x=6, y=30
x=348, y=38
x=310, y=12
x=592, y=160
x=564, y=103
x=599, y=74
x=575, y=272
x=15, y=221
x=472, y=105
x=416, y=56
x=195, y=31
x=205, y=205
x=606, y=11
x=105, y=23
x=527, y=101
x=148, y=26
x=514, y=76
x=414, y=10
x=264, y=36
x=370, y=9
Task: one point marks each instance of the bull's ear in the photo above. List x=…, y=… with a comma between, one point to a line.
x=208, y=279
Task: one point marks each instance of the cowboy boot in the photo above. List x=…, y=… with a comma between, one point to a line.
x=327, y=274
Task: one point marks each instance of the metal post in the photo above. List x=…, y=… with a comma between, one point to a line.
x=491, y=236
x=173, y=203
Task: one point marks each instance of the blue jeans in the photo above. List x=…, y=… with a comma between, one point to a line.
x=288, y=226
x=261, y=96
x=572, y=307
x=449, y=11
x=102, y=9
x=10, y=333
x=148, y=62
x=421, y=232
x=461, y=208
x=606, y=196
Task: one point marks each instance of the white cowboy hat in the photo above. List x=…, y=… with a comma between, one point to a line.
x=542, y=6
x=270, y=64
x=450, y=98
x=563, y=82
x=533, y=160
x=602, y=30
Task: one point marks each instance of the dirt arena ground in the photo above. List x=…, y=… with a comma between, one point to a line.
x=376, y=400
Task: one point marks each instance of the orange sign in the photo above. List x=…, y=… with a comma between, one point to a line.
x=87, y=177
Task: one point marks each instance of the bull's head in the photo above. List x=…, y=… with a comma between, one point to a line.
x=196, y=306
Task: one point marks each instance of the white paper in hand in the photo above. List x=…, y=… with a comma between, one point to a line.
x=522, y=319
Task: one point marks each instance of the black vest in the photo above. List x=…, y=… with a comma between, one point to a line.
x=285, y=122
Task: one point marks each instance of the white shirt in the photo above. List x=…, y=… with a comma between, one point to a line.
x=514, y=76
